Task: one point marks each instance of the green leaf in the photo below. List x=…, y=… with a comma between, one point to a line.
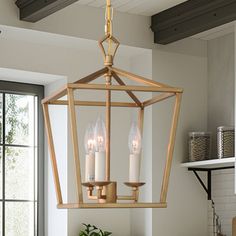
x=94, y=234
x=87, y=228
x=92, y=230
x=83, y=233
x=107, y=233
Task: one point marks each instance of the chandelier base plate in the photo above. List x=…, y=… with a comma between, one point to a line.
x=100, y=183
x=106, y=192
x=134, y=185
x=88, y=185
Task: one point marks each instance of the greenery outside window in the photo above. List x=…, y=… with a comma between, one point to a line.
x=21, y=160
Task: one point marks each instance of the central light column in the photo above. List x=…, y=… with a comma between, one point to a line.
x=108, y=127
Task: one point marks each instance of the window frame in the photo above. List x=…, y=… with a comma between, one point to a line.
x=34, y=90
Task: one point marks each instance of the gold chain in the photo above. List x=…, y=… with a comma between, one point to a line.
x=108, y=26
x=108, y=18
x=111, y=42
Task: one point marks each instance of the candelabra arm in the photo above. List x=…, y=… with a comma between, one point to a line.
x=90, y=194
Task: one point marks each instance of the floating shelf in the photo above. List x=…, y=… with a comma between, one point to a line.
x=211, y=164
x=208, y=166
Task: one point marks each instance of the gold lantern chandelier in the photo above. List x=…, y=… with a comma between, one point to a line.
x=101, y=191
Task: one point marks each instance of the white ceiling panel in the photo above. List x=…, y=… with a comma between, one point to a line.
x=216, y=32
x=141, y=7
x=97, y=3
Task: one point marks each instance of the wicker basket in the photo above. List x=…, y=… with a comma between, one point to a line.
x=225, y=142
x=199, y=146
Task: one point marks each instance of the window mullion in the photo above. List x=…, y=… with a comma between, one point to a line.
x=34, y=145
x=3, y=162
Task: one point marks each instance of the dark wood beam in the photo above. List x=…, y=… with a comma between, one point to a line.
x=35, y=10
x=190, y=18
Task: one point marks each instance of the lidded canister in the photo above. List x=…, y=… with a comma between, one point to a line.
x=225, y=141
x=199, y=146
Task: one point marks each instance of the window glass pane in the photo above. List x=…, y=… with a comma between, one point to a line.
x=1, y=118
x=36, y=150
x=19, y=173
x=35, y=218
x=19, y=119
x=0, y=218
x=19, y=219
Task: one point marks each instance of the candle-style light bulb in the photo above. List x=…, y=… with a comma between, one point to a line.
x=89, y=144
x=135, y=140
x=135, y=146
x=100, y=150
x=100, y=135
x=89, y=141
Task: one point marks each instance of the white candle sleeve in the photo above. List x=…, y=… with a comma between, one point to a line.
x=100, y=166
x=90, y=167
x=134, y=168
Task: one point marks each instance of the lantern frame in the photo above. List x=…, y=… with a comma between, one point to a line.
x=110, y=73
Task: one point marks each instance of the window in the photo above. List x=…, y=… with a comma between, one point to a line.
x=21, y=160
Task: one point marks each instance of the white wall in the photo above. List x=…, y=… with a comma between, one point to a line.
x=221, y=99
x=141, y=219
x=55, y=220
x=221, y=80
x=187, y=206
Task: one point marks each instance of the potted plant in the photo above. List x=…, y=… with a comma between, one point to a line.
x=91, y=230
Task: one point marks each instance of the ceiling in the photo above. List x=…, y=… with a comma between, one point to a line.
x=28, y=76
x=216, y=32
x=140, y=7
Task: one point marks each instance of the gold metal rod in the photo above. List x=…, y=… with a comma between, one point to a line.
x=102, y=48
x=158, y=98
x=92, y=197
x=136, y=193
x=125, y=198
x=108, y=6
x=73, y=125
x=109, y=26
x=58, y=94
x=99, y=192
x=140, y=124
x=108, y=128
x=141, y=120
x=93, y=103
x=138, y=78
x=117, y=45
x=52, y=153
x=125, y=88
x=166, y=176
x=130, y=93
x=92, y=76
x=111, y=205
x=90, y=194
